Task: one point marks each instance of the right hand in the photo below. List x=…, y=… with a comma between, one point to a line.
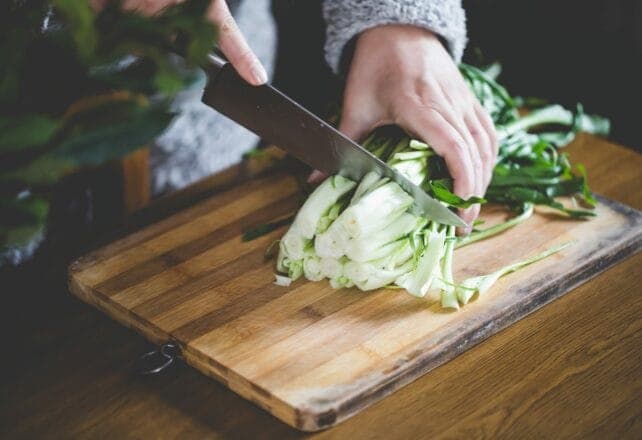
x=233, y=44
x=230, y=39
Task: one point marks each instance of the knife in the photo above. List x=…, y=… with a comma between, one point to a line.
x=280, y=120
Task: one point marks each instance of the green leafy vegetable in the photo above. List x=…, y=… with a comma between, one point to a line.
x=481, y=284
x=527, y=212
x=442, y=191
x=367, y=235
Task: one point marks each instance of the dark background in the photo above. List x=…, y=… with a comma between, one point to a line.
x=568, y=51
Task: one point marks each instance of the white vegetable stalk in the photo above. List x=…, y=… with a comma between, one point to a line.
x=293, y=244
x=330, y=244
x=481, y=284
x=494, y=230
x=382, y=243
x=369, y=222
x=369, y=276
x=448, y=293
x=331, y=267
x=365, y=235
x=419, y=281
x=312, y=268
x=369, y=181
x=319, y=203
x=375, y=210
x=307, y=219
x=281, y=280
x=413, y=170
x=384, y=271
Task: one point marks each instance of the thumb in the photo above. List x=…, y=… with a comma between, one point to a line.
x=353, y=128
x=354, y=125
x=356, y=128
x=233, y=45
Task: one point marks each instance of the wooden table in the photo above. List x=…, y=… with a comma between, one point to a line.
x=571, y=369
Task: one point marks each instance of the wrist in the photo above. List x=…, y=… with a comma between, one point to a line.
x=396, y=33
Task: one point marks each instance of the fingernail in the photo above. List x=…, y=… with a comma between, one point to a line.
x=314, y=175
x=259, y=74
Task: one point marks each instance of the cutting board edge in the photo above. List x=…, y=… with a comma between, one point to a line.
x=123, y=316
x=318, y=417
x=274, y=406
x=326, y=417
x=621, y=208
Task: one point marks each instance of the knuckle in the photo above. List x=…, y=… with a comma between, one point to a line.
x=350, y=122
x=456, y=146
x=423, y=89
x=484, y=143
x=476, y=132
x=408, y=98
x=246, y=57
x=494, y=142
x=477, y=164
x=228, y=24
x=420, y=93
x=486, y=156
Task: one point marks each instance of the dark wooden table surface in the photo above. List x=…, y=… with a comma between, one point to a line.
x=571, y=369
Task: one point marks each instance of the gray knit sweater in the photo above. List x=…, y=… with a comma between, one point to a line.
x=348, y=18
x=201, y=142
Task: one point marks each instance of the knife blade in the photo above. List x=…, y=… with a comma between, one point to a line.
x=278, y=119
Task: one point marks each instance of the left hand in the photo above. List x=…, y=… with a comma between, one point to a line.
x=403, y=75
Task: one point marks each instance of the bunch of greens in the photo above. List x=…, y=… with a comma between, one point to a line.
x=79, y=88
x=530, y=168
x=365, y=234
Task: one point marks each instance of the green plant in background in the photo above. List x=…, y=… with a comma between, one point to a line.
x=79, y=88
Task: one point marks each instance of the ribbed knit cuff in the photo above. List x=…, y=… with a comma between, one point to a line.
x=348, y=18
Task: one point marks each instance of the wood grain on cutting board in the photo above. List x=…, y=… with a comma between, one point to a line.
x=308, y=354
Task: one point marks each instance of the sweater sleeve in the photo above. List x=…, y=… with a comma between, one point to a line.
x=346, y=19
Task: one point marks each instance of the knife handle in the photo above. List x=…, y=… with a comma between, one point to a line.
x=216, y=61
x=214, y=66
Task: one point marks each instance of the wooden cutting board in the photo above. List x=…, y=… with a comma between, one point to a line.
x=310, y=355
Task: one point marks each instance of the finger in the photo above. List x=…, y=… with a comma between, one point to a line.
x=99, y=5
x=468, y=215
x=477, y=172
x=352, y=126
x=486, y=154
x=147, y=7
x=489, y=128
x=433, y=128
x=453, y=107
x=316, y=176
x=456, y=103
x=234, y=46
x=360, y=114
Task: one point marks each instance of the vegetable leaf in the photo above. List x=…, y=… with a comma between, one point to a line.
x=442, y=191
x=23, y=132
